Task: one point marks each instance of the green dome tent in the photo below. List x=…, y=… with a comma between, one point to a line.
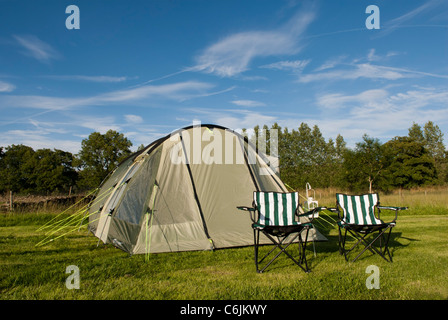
x=181, y=193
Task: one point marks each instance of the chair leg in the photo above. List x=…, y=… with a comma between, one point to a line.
x=279, y=244
x=302, y=246
x=342, y=239
x=369, y=245
x=256, y=242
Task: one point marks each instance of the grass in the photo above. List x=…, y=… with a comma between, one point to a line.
x=418, y=246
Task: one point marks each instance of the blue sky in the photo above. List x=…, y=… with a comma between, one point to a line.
x=145, y=68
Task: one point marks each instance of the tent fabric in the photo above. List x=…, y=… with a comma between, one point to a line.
x=181, y=193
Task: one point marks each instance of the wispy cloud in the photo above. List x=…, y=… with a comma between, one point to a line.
x=286, y=65
x=234, y=119
x=338, y=68
x=36, y=48
x=39, y=138
x=133, y=119
x=379, y=112
x=111, y=79
x=356, y=71
x=176, y=91
x=398, y=22
x=339, y=100
x=6, y=87
x=233, y=54
x=248, y=103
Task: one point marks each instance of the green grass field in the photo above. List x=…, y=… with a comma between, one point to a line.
x=418, y=246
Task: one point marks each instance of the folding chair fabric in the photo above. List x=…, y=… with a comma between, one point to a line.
x=359, y=210
x=359, y=220
x=276, y=209
x=277, y=215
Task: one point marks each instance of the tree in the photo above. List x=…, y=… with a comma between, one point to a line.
x=305, y=156
x=416, y=133
x=432, y=139
x=334, y=162
x=99, y=155
x=24, y=170
x=434, y=144
x=15, y=170
x=408, y=163
x=53, y=171
x=364, y=163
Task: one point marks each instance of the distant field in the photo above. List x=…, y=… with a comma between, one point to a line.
x=418, y=245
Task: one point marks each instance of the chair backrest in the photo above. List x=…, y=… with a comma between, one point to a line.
x=276, y=209
x=359, y=209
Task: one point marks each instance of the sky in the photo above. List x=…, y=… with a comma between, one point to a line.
x=146, y=68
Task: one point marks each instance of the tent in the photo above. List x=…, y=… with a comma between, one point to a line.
x=180, y=193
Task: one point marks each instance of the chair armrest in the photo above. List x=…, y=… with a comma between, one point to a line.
x=251, y=210
x=396, y=209
x=246, y=208
x=337, y=211
x=311, y=212
x=334, y=210
x=392, y=208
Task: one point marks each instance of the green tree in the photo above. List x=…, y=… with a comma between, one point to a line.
x=432, y=139
x=364, y=164
x=305, y=156
x=99, y=155
x=436, y=148
x=15, y=170
x=334, y=170
x=408, y=163
x=53, y=171
x=416, y=133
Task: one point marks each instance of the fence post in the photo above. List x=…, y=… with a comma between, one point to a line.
x=11, y=201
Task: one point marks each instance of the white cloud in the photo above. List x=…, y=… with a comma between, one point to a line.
x=6, y=87
x=233, y=119
x=395, y=23
x=248, y=103
x=36, y=48
x=176, y=91
x=233, y=54
x=336, y=69
x=90, y=78
x=362, y=70
x=331, y=63
x=296, y=66
x=338, y=100
x=39, y=139
x=133, y=119
x=380, y=113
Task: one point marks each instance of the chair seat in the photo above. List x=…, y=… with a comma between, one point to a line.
x=281, y=230
x=365, y=227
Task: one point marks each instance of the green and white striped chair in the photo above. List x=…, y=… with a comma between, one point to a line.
x=279, y=216
x=359, y=216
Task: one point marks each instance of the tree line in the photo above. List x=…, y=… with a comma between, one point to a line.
x=418, y=159
x=45, y=171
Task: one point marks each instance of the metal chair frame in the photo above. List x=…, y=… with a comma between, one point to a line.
x=279, y=234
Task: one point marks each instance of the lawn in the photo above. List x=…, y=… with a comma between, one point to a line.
x=29, y=272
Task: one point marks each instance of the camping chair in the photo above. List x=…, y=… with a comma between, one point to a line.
x=280, y=217
x=358, y=217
